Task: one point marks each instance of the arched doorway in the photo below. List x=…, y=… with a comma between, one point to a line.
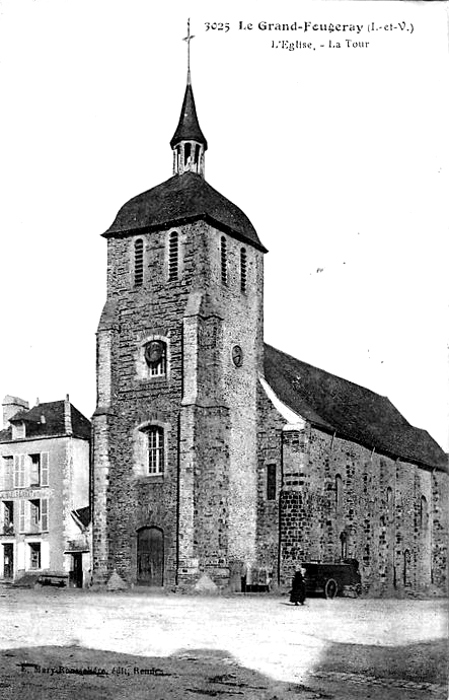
x=150, y=556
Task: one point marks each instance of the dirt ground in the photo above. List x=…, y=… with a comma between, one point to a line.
x=60, y=644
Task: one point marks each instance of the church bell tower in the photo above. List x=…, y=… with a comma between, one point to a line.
x=179, y=352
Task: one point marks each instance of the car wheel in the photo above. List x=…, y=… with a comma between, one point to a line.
x=358, y=589
x=331, y=588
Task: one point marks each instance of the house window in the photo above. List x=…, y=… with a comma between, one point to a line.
x=138, y=263
x=243, y=270
x=155, y=450
x=224, y=261
x=35, y=515
x=156, y=357
x=271, y=482
x=18, y=430
x=344, y=545
x=35, y=473
x=39, y=469
x=8, y=517
x=35, y=555
x=8, y=472
x=173, y=256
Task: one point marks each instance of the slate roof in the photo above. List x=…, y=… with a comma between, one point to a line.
x=353, y=412
x=83, y=515
x=182, y=199
x=54, y=425
x=188, y=128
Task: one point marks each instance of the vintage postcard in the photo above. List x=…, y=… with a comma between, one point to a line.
x=224, y=360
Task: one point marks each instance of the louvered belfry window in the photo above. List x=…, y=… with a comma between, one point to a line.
x=224, y=261
x=173, y=256
x=138, y=263
x=243, y=270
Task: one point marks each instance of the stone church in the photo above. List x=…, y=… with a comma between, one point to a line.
x=214, y=452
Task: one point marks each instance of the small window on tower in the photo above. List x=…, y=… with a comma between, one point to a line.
x=173, y=256
x=155, y=450
x=243, y=270
x=187, y=152
x=271, y=482
x=138, y=263
x=156, y=358
x=224, y=261
x=197, y=154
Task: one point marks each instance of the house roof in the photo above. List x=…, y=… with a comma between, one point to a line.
x=182, y=199
x=47, y=419
x=188, y=128
x=350, y=410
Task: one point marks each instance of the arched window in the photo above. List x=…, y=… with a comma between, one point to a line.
x=224, y=261
x=156, y=452
x=138, y=262
x=338, y=493
x=243, y=270
x=156, y=357
x=406, y=569
x=423, y=514
x=173, y=256
x=344, y=545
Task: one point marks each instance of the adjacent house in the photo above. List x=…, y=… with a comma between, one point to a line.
x=44, y=490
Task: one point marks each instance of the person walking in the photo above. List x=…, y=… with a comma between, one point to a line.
x=298, y=592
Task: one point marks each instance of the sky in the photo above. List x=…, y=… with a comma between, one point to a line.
x=338, y=155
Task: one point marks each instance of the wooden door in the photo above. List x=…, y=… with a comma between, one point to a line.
x=78, y=569
x=150, y=556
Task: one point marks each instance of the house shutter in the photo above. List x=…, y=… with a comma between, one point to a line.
x=22, y=472
x=21, y=555
x=16, y=471
x=45, y=555
x=44, y=468
x=9, y=473
x=44, y=514
x=22, y=505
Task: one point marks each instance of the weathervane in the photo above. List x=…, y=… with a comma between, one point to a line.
x=188, y=38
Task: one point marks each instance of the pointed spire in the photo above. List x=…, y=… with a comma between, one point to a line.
x=188, y=128
x=188, y=142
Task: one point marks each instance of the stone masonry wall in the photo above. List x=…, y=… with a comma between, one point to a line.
x=353, y=502
x=205, y=501
x=269, y=441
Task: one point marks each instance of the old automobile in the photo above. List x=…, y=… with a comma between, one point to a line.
x=332, y=579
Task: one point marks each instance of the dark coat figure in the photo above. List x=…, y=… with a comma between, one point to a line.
x=298, y=592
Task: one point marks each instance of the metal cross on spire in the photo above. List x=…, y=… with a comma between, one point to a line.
x=188, y=38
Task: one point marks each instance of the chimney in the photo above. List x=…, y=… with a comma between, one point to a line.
x=11, y=406
x=67, y=416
